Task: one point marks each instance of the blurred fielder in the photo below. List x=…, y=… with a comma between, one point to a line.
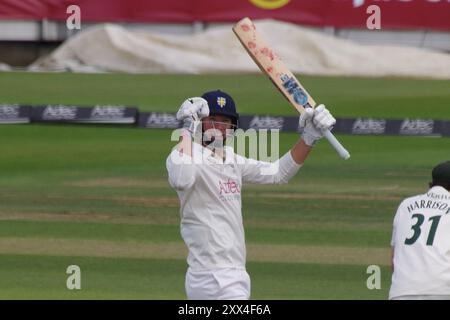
x=421, y=242
x=210, y=190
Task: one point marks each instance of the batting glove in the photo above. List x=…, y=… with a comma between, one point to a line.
x=192, y=111
x=314, y=122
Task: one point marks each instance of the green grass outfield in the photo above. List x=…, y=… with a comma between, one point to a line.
x=98, y=197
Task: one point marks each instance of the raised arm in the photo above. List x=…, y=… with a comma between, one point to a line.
x=180, y=165
x=312, y=123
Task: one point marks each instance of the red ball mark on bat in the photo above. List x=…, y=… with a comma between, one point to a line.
x=245, y=27
x=251, y=45
x=268, y=53
x=269, y=69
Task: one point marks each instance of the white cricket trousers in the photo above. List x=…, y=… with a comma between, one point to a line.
x=220, y=284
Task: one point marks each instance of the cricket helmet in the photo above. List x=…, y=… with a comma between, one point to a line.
x=221, y=103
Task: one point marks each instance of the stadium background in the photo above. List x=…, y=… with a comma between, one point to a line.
x=96, y=195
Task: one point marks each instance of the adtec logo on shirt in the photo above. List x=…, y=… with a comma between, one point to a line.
x=228, y=187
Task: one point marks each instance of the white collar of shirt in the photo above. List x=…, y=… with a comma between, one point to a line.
x=439, y=190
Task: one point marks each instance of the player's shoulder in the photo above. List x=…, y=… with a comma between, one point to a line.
x=438, y=193
x=434, y=193
x=242, y=160
x=410, y=200
x=229, y=151
x=177, y=157
x=413, y=198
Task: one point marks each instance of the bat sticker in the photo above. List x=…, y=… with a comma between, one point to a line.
x=292, y=87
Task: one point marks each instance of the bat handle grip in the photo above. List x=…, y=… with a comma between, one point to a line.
x=337, y=145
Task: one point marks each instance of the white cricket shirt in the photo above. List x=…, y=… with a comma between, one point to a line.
x=210, y=202
x=421, y=242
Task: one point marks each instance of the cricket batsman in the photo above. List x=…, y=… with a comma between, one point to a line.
x=208, y=179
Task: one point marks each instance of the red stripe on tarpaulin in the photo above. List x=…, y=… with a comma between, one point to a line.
x=413, y=14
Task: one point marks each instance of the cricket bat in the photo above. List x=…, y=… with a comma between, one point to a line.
x=281, y=76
